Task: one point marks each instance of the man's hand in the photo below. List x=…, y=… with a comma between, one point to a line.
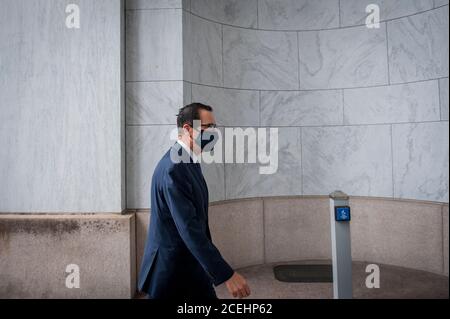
x=237, y=286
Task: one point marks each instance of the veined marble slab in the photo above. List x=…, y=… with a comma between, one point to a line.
x=301, y=108
x=243, y=180
x=231, y=107
x=418, y=46
x=421, y=156
x=343, y=58
x=153, y=102
x=354, y=159
x=233, y=12
x=154, y=45
x=413, y=102
x=202, y=50
x=298, y=14
x=255, y=59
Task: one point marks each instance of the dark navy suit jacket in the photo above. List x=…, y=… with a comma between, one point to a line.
x=180, y=260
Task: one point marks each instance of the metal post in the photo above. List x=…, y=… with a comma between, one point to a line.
x=341, y=245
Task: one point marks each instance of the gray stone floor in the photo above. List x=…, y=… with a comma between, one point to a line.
x=395, y=282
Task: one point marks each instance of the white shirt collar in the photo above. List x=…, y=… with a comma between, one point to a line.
x=187, y=149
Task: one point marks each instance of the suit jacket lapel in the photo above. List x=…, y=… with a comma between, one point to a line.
x=197, y=172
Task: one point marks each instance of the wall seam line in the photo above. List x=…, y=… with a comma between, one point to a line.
x=305, y=126
x=343, y=106
x=387, y=54
x=135, y=254
x=125, y=104
x=224, y=183
x=154, y=81
x=223, y=69
x=340, y=13
x=392, y=160
x=439, y=97
x=298, y=61
x=257, y=14
x=303, y=90
x=301, y=161
x=264, y=229
x=224, y=180
x=442, y=239
x=154, y=9
x=259, y=104
x=306, y=30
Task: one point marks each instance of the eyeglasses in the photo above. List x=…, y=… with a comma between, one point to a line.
x=209, y=125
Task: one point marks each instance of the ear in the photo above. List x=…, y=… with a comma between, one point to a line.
x=187, y=128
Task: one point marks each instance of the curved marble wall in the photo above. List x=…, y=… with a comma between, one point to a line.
x=358, y=109
x=363, y=110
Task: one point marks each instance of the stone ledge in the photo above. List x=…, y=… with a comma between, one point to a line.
x=36, y=249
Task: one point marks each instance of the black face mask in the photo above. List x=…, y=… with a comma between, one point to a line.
x=207, y=140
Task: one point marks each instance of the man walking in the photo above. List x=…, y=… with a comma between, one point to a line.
x=180, y=261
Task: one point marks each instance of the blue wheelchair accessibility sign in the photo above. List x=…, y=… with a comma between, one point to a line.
x=342, y=213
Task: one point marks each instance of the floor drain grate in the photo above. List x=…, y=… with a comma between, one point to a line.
x=304, y=273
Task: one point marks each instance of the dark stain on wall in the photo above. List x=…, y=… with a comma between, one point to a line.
x=58, y=227
x=55, y=231
x=104, y=225
x=38, y=226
